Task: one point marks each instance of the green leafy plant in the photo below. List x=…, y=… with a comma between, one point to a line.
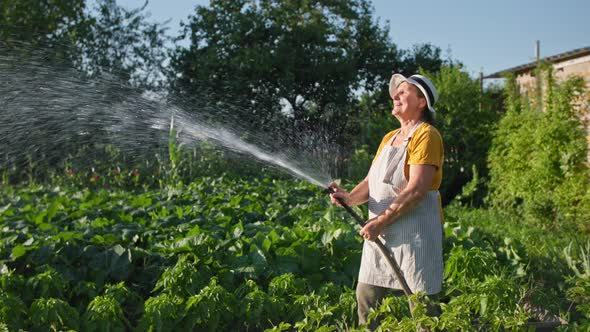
x=463, y=265
x=252, y=254
x=211, y=310
x=53, y=314
x=105, y=313
x=540, y=174
x=48, y=284
x=185, y=278
x=162, y=313
x=12, y=311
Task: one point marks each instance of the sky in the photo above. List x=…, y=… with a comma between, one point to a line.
x=486, y=36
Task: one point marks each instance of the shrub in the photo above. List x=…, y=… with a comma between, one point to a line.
x=465, y=119
x=537, y=159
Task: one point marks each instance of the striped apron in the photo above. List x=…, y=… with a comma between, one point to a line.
x=415, y=239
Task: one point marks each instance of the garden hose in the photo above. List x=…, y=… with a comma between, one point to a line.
x=388, y=256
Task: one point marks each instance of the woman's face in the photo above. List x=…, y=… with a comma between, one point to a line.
x=406, y=102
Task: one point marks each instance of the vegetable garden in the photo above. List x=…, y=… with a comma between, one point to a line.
x=111, y=222
x=236, y=254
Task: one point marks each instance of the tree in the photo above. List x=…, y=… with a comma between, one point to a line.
x=63, y=68
x=466, y=121
x=285, y=64
x=56, y=21
x=108, y=39
x=55, y=25
x=123, y=43
x=422, y=57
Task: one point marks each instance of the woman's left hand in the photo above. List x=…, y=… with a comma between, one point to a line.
x=372, y=229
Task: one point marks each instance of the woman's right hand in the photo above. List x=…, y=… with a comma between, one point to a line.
x=338, y=192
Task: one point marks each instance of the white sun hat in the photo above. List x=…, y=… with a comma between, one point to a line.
x=421, y=82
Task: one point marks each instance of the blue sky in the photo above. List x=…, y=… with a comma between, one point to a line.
x=483, y=35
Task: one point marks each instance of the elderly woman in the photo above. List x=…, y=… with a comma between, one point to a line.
x=404, y=203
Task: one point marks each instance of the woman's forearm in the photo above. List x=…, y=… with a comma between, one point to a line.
x=418, y=186
x=360, y=193
x=407, y=200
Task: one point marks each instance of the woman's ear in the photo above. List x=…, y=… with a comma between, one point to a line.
x=422, y=103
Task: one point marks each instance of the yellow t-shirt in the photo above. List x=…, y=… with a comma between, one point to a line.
x=425, y=148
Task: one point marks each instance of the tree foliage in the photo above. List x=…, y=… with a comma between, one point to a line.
x=298, y=62
x=537, y=161
x=466, y=120
x=53, y=23
x=104, y=39
x=125, y=44
x=55, y=26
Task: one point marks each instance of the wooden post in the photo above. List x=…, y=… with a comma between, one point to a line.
x=480, y=89
x=539, y=82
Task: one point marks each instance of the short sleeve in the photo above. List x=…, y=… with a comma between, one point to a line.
x=426, y=148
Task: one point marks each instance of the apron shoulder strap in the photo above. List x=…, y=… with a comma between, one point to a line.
x=393, y=162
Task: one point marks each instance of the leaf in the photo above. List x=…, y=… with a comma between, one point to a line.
x=191, y=241
x=328, y=237
x=102, y=222
x=238, y=230
x=118, y=249
x=257, y=256
x=196, y=230
x=328, y=215
x=38, y=218
x=18, y=251
x=44, y=227
x=5, y=208
x=273, y=236
x=282, y=327
x=266, y=243
x=245, y=269
x=483, y=304
x=68, y=236
x=119, y=262
x=142, y=201
x=52, y=210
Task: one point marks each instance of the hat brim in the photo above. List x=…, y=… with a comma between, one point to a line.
x=397, y=79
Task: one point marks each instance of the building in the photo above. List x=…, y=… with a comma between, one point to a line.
x=575, y=62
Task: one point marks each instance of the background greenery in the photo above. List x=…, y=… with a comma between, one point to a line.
x=195, y=238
